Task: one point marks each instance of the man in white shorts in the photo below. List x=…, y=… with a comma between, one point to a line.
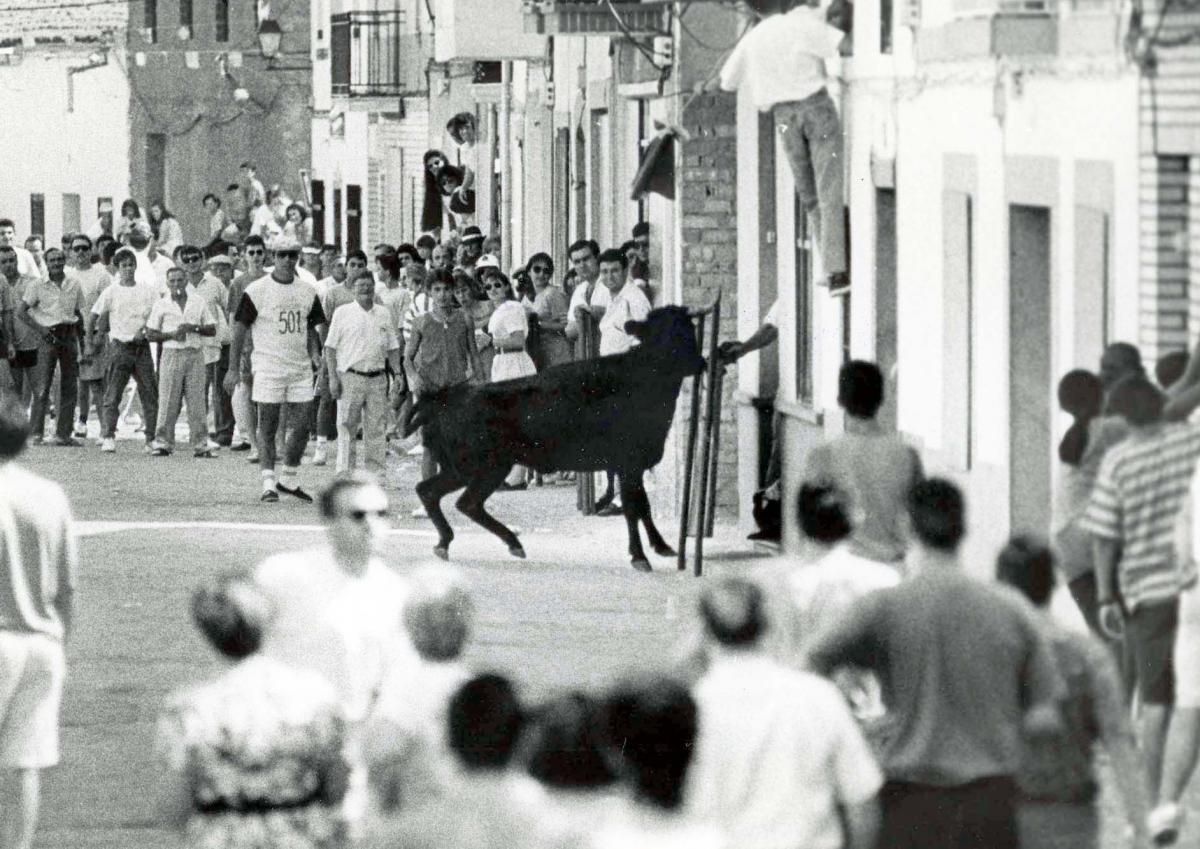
x=35, y=616
x=280, y=312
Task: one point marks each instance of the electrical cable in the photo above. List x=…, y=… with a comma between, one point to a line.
x=629, y=35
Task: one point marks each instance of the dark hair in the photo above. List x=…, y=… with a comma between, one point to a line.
x=328, y=499
x=233, y=187
x=1119, y=360
x=7, y=222
x=110, y=250
x=823, y=513
x=508, y=286
x=102, y=240
x=1027, y=564
x=130, y=203
x=566, y=747
x=1170, y=368
x=437, y=614
x=212, y=197
x=410, y=249
x=732, y=612
x=299, y=207
x=249, y=164
x=541, y=256
x=390, y=264
x=937, y=513
x=233, y=616
x=450, y=172
x=642, y=228
x=166, y=213
x=580, y=244
x=426, y=241
x=484, y=720
x=1081, y=394
x=79, y=237
x=651, y=726
x=441, y=275
x=254, y=241
x=358, y=255
x=614, y=255
x=14, y=426
x=860, y=389
x=1137, y=400
x=385, y=247
x=120, y=254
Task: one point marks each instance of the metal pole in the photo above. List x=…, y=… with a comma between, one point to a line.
x=506, y=187
x=690, y=454
x=706, y=445
x=717, y=391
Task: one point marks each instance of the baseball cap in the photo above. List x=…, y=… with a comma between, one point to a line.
x=220, y=259
x=284, y=242
x=488, y=261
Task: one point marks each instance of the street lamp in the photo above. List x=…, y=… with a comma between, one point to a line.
x=270, y=37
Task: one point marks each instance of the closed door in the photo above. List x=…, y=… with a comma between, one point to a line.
x=156, y=167
x=353, y=218
x=1029, y=368
x=885, y=299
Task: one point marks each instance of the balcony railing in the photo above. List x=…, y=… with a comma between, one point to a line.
x=981, y=8
x=373, y=55
x=596, y=17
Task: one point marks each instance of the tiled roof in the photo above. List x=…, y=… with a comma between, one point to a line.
x=60, y=20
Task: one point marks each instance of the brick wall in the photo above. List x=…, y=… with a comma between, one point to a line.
x=208, y=133
x=707, y=205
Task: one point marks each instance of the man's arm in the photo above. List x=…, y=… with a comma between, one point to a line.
x=335, y=380
x=1106, y=554
x=68, y=563
x=410, y=350
x=849, y=641
x=862, y=824
x=766, y=335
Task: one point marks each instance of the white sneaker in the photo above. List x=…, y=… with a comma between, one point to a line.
x=416, y=452
x=1164, y=824
x=253, y=458
x=108, y=446
x=80, y=431
x=213, y=445
x=419, y=513
x=320, y=456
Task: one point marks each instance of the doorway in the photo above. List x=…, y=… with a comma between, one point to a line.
x=885, y=300
x=1030, y=379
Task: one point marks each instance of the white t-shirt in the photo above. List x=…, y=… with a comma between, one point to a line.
x=127, y=307
x=782, y=59
x=361, y=338
x=347, y=628
x=166, y=316
x=279, y=316
x=630, y=304
x=776, y=753
x=601, y=298
x=92, y=281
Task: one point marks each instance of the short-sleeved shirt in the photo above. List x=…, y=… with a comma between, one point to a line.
x=441, y=349
x=418, y=305
x=876, y=470
x=127, y=307
x=630, y=304
x=50, y=304
x=279, y=316
x=338, y=296
x=776, y=754
x=361, y=338
x=782, y=59
x=1138, y=494
x=214, y=292
x=960, y=662
x=166, y=316
x=92, y=281
x=26, y=337
x=600, y=297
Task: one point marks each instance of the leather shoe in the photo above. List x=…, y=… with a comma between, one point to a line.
x=611, y=510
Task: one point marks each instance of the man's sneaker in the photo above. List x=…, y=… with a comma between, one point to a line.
x=420, y=513
x=213, y=445
x=67, y=442
x=320, y=456
x=295, y=492
x=204, y=454
x=253, y=458
x=269, y=495
x=80, y=430
x=160, y=451
x=108, y=445
x=1164, y=823
x=241, y=446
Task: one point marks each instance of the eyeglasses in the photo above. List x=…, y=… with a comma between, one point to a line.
x=498, y=287
x=80, y=248
x=287, y=255
x=253, y=252
x=361, y=515
x=191, y=258
x=540, y=269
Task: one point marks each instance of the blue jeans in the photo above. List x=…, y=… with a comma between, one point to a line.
x=812, y=137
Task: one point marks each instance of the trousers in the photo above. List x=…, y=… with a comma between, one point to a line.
x=181, y=375
x=63, y=353
x=364, y=400
x=125, y=360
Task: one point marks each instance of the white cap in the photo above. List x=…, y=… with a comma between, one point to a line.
x=284, y=242
x=487, y=261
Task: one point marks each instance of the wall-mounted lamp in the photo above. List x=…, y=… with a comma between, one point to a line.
x=96, y=59
x=270, y=37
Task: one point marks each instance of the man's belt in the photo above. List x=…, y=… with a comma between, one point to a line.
x=375, y=373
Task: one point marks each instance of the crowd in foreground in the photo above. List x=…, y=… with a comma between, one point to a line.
x=271, y=343
x=837, y=698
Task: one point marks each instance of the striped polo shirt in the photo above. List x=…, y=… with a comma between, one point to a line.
x=1139, y=490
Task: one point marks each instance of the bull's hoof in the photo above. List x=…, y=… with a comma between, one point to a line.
x=664, y=550
x=516, y=551
x=641, y=564
x=442, y=552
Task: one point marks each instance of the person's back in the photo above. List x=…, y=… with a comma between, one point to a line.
x=38, y=555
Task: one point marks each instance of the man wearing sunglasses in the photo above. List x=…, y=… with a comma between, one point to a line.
x=215, y=347
x=280, y=313
x=92, y=279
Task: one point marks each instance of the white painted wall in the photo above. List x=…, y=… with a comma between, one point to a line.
x=53, y=151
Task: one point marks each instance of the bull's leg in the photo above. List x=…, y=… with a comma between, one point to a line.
x=431, y=491
x=629, y=483
x=470, y=504
x=642, y=511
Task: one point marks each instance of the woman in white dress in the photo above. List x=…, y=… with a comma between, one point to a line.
x=508, y=328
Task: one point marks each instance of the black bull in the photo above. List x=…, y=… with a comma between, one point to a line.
x=609, y=413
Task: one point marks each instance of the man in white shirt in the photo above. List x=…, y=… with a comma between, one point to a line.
x=339, y=610
x=26, y=264
x=181, y=321
x=779, y=761
x=361, y=341
x=781, y=66
x=25, y=339
x=93, y=279
x=152, y=265
x=53, y=307
x=589, y=297
x=121, y=313
x=337, y=292
x=628, y=303
x=220, y=270
x=215, y=294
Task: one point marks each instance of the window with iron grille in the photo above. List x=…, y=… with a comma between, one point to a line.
x=150, y=20
x=221, y=28
x=185, y=16
x=373, y=54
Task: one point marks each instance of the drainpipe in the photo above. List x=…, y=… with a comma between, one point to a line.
x=506, y=187
x=97, y=60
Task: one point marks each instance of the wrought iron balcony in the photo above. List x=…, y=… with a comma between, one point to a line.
x=372, y=54
x=596, y=17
